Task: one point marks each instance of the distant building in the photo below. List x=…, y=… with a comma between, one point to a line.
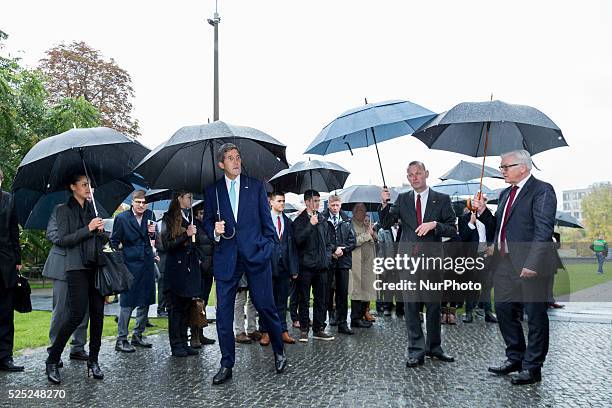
x=572, y=199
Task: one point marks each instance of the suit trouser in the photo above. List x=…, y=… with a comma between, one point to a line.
x=81, y=292
x=509, y=290
x=280, y=287
x=294, y=300
x=317, y=280
x=7, y=327
x=417, y=344
x=341, y=277
x=125, y=313
x=162, y=294
x=61, y=313
x=260, y=287
x=178, y=319
x=243, y=298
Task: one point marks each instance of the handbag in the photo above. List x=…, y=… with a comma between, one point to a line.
x=197, y=314
x=113, y=277
x=21, y=300
x=91, y=252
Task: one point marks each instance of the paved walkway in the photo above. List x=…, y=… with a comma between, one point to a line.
x=367, y=369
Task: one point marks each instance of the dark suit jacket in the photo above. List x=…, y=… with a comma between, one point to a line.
x=10, y=252
x=285, y=259
x=55, y=265
x=137, y=255
x=438, y=208
x=72, y=231
x=254, y=240
x=529, y=227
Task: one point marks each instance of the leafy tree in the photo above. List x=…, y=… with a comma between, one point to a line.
x=597, y=211
x=69, y=113
x=77, y=70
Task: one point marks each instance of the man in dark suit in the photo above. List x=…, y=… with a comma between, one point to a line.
x=55, y=269
x=284, y=264
x=426, y=217
x=10, y=265
x=237, y=217
x=525, y=263
x=132, y=232
x=388, y=241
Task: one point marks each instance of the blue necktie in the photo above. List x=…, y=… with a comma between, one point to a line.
x=232, y=195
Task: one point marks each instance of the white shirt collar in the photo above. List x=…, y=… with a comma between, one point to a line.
x=228, y=183
x=521, y=183
x=424, y=196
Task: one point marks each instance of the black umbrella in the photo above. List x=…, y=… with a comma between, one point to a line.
x=564, y=219
x=479, y=129
x=35, y=208
x=103, y=154
x=319, y=175
x=465, y=171
x=367, y=194
x=162, y=194
x=187, y=161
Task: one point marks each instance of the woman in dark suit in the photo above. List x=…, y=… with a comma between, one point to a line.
x=77, y=224
x=183, y=279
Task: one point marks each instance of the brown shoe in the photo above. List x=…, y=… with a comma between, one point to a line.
x=242, y=338
x=368, y=317
x=265, y=340
x=287, y=338
x=255, y=336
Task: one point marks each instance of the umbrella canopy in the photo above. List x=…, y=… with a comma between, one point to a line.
x=511, y=127
x=312, y=174
x=465, y=171
x=291, y=208
x=369, y=124
x=565, y=219
x=187, y=160
x=35, y=207
x=165, y=194
x=109, y=155
x=456, y=188
x=367, y=194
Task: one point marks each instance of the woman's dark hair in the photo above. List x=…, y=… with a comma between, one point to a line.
x=175, y=218
x=73, y=179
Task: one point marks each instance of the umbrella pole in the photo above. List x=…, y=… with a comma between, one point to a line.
x=93, y=201
x=193, y=239
x=484, y=159
x=382, y=173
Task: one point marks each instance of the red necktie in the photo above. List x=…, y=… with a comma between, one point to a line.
x=418, y=210
x=502, y=235
x=280, y=234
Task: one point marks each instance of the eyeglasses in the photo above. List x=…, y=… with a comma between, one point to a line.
x=139, y=202
x=507, y=166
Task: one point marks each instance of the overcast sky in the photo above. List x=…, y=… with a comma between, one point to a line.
x=288, y=68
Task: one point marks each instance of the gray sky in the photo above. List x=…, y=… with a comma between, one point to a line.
x=288, y=68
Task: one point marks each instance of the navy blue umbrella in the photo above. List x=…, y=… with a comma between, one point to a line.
x=368, y=125
x=366, y=194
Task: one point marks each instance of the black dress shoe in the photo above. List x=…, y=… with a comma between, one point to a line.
x=413, y=362
x=53, y=373
x=206, y=340
x=79, y=355
x=442, y=356
x=149, y=324
x=138, y=341
x=506, y=367
x=124, y=346
x=94, y=368
x=527, y=377
x=468, y=318
x=222, y=375
x=490, y=317
x=360, y=323
x=280, y=362
x=344, y=329
x=191, y=351
x=9, y=365
x=179, y=352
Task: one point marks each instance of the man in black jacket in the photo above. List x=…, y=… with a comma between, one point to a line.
x=343, y=238
x=10, y=264
x=314, y=249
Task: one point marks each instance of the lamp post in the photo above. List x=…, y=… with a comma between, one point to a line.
x=215, y=23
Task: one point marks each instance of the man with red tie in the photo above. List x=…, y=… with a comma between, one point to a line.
x=426, y=216
x=524, y=263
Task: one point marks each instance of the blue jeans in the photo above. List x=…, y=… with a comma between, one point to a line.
x=600, y=261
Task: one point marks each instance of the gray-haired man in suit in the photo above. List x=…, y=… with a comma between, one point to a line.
x=55, y=269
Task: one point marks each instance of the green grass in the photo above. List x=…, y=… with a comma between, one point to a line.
x=580, y=276
x=32, y=329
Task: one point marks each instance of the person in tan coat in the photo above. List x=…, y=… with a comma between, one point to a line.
x=361, y=282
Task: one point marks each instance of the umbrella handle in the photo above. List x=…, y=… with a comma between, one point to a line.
x=468, y=203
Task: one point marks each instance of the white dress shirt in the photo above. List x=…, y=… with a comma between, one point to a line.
x=520, y=185
x=228, y=184
x=424, y=196
x=275, y=216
